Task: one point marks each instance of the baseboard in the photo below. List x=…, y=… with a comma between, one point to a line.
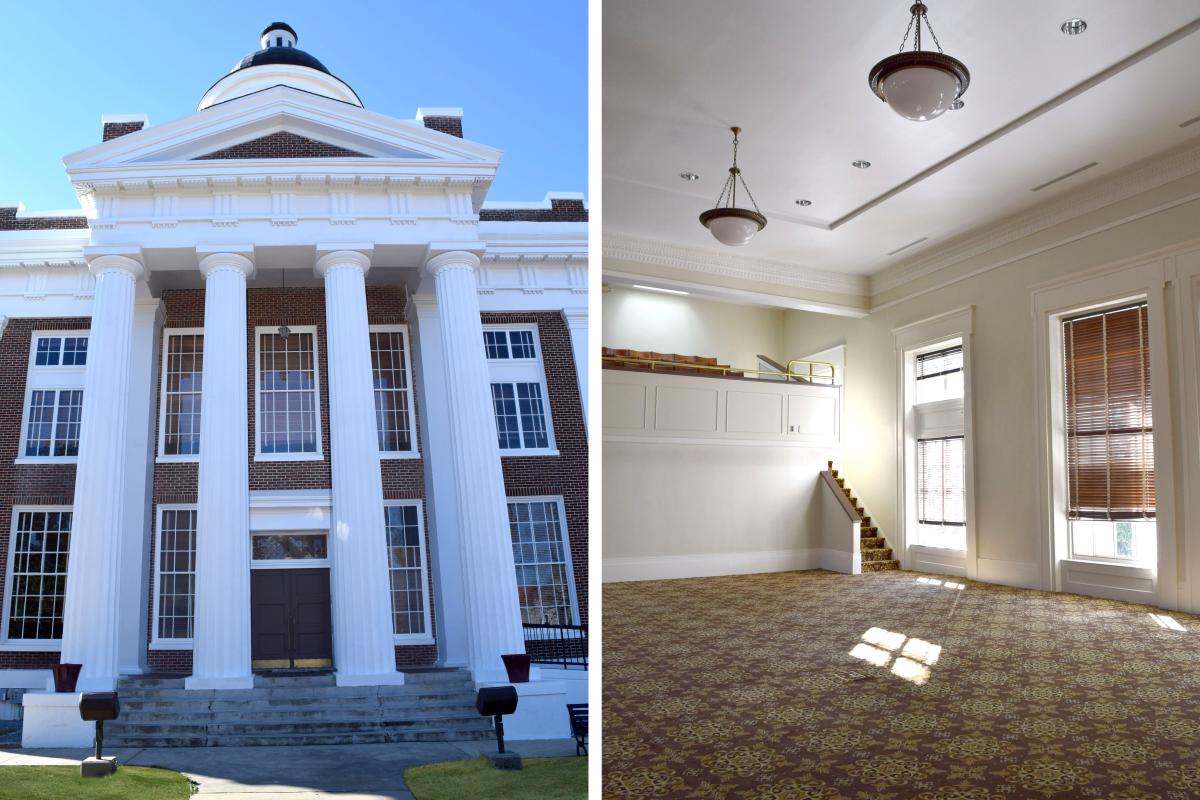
x=937, y=560
x=1024, y=574
x=706, y=565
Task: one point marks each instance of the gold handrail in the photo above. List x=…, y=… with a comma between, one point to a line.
x=809, y=375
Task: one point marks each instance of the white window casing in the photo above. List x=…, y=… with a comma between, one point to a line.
x=519, y=395
x=542, y=557
x=61, y=428
x=175, y=525
x=170, y=365
x=390, y=417
x=301, y=342
x=22, y=561
x=408, y=571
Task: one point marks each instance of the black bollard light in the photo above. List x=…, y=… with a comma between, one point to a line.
x=98, y=707
x=495, y=702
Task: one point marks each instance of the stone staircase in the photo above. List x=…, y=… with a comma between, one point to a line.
x=876, y=555
x=431, y=706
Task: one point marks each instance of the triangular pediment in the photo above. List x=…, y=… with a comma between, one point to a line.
x=279, y=123
x=283, y=144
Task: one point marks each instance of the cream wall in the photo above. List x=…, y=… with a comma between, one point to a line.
x=734, y=334
x=1007, y=488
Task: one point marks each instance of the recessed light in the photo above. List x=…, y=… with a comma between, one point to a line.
x=860, y=164
x=1074, y=26
x=804, y=202
x=956, y=105
x=689, y=176
x=658, y=289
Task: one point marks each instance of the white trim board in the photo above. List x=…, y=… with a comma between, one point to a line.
x=706, y=565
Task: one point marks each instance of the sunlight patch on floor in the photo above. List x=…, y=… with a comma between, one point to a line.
x=1170, y=623
x=936, y=582
x=912, y=663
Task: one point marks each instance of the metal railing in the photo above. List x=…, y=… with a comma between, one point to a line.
x=814, y=370
x=560, y=645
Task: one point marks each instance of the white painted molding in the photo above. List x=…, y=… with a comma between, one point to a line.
x=1023, y=574
x=687, y=259
x=706, y=565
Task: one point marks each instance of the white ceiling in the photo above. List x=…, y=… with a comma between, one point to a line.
x=678, y=73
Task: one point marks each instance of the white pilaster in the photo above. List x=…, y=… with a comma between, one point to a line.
x=489, y=577
x=221, y=637
x=363, y=638
x=445, y=538
x=91, y=611
x=577, y=326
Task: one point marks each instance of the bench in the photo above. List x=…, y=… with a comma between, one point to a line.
x=578, y=712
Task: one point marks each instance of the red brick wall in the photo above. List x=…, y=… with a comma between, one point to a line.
x=559, y=211
x=283, y=145
x=566, y=474
x=9, y=221
x=450, y=125
x=114, y=129
x=25, y=484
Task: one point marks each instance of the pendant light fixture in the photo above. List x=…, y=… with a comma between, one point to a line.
x=731, y=225
x=919, y=84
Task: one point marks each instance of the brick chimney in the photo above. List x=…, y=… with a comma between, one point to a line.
x=115, y=125
x=446, y=120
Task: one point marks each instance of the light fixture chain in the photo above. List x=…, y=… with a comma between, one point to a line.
x=929, y=25
x=907, y=32
x=724, y=190
x=748, y=193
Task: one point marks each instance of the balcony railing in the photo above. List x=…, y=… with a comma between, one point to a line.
x=561, y=645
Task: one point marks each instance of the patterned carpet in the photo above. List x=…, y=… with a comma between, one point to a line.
x=744, y=687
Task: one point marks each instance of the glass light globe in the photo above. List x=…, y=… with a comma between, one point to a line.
x=731, y=230
x=920, y=93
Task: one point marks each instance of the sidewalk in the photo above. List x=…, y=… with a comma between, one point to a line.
x=317, y=772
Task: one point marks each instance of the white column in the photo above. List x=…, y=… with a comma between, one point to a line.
x=489, y=577
x=577, y=325
x=91, y=619
x=221, y=636
x=363, y=637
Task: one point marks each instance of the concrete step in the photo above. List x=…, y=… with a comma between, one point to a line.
x=344, y=693
x=289, y=739
x=315, y=716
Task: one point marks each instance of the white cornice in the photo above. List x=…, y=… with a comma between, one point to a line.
x=1142, y=177
x=661, y=254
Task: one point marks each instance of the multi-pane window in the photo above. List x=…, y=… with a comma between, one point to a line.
x=941, y=491
x=940, y=374
x=519, y=399
x=183, y=366
x=38, y=578
x=1111, y=501
x=176, y=573
x=66, y=351
x=53, y=422
x=393, y=398
x=542, y=560
x=288, y=416
x=406, y=569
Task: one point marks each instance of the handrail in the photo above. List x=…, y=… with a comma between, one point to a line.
x=847, y=506
x=809, y=376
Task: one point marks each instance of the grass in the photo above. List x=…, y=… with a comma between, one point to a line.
x=56, y=783
x=541, y=779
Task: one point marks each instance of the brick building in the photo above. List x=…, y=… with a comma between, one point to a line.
x=289, y=393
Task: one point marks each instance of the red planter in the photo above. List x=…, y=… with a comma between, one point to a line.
x=517, y=665
x=66, y=676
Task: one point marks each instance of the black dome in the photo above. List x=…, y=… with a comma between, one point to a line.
x=281, y=55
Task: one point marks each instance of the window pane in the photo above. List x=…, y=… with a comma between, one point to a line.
x=39, y=574
x=288, y=546
x=390, y=367
x=941, y=492
x=287, y=399
x=406, y=569
x=522, y=344
x=533, y=415
x=495, y=344
x=539, y=554
x=74, y=351
x=48, y=348
x=177, y=573
x=505, y=406
x=182, y=384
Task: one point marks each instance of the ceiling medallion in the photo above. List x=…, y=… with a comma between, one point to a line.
x=919, y=84
x=731, y=225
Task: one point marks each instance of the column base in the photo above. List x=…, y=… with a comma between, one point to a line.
x=382, y=679
x=194, y=682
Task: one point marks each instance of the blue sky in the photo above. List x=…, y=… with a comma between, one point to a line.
x=517, y=68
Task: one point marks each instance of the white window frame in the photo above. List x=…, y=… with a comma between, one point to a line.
x=259, y=455
x=927, y=335
x=47, y=378
x=427, y=636
x=163, y=457
x=26, y=645
x=415, y=452
x=155, y=642
x=1136, y=279
x=522, y=370
x=566, y=537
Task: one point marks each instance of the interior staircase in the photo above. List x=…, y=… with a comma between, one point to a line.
x=431, y=706
x=876, y=555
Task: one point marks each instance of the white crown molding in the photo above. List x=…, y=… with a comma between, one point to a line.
x=661, y=254
x=1136, y=179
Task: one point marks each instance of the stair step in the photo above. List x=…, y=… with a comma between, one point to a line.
x=293, y=739
x=880, y=566
x=877, y=554
x=871, y=543
x=868, y=531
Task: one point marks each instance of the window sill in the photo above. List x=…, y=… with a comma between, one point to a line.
x=407, y=638
x=928, y=548
x=171, y=644
x=399, y=455
x=48, y=646
x=542, y=451
x=1139, y=568
x=289, y=456
x=178, y=459
x=46, y=460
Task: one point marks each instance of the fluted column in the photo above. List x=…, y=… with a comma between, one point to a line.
x=90, y=608
x=363, y=639
x=221, y=633
x=489, y=577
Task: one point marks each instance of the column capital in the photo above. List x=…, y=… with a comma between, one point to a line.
x=226, y=259
x=346, y=256
x=454, y=259
x=116, y=263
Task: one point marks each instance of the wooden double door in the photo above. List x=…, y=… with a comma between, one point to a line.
x=290, y=625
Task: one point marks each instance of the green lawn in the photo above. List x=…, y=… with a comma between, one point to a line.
x=542, y=779
x=56, y=783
